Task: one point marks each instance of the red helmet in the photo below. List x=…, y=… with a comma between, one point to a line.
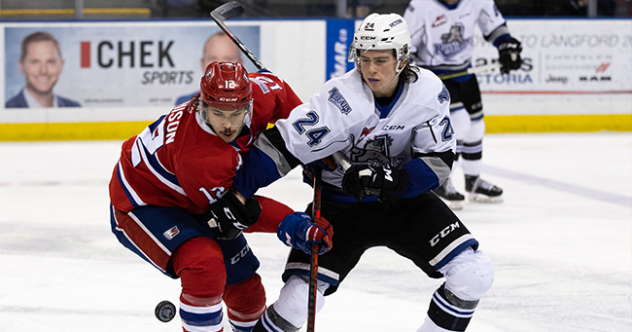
x=225, y=86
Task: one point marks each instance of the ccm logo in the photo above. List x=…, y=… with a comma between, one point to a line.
x=228, y=99
x=443, y=234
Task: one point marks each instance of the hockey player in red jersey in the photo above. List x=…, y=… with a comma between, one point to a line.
x=172, y=203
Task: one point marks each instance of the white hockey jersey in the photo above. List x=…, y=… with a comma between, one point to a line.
x=442, y=35
x=344, y=117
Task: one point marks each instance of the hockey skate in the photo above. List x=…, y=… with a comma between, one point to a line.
x=452, y=198
x=482, y=191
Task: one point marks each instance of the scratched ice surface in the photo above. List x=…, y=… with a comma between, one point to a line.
x=560, y=244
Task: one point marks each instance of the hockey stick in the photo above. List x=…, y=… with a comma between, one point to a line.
x=472, y=70
x=225, y=12
x=313, y=266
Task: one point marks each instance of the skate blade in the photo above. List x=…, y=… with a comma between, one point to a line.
x=453, y=205
x=480, y=198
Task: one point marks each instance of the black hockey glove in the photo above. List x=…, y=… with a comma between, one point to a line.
x=229, y=217
x=382, y=182
x=509, y=55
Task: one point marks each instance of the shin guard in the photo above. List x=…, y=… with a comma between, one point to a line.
x=200, y=265
x=246, y=302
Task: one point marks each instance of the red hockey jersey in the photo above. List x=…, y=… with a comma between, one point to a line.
x=178, y=161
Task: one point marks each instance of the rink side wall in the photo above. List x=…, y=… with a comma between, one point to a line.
x=576, y=75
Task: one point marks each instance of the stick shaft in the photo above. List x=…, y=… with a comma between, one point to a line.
x=313, y=271
x=472, y=70
x=217, y=15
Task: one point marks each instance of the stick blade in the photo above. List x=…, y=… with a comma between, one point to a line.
x=227, y=11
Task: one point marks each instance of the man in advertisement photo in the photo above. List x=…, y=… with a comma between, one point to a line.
x=218, y=47
x=41, y=63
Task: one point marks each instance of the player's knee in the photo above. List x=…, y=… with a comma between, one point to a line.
x=469, y=275
x=294, y=295
x=461, y=123
x=246, y=300
x=476, y=132
x=200, y=265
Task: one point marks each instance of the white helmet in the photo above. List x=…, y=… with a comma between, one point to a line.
x=382, y=32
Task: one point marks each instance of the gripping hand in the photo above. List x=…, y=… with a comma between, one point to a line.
x=298, y=231
x=382, y=182
x=509, y=55
x=229, y=217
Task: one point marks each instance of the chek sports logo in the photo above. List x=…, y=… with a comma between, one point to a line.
x=151, y=54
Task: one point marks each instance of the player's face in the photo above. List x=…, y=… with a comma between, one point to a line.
x=378, y=70
x=41, y=67
x=222, y=49
x=226, y=124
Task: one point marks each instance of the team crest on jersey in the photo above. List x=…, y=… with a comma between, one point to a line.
x=336, y=98
x=171, y=232
x=376, y=152
x=452, y=43
x=444, y=95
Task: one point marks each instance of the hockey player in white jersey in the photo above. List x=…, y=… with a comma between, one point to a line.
x=442, y=41
x=391, y=121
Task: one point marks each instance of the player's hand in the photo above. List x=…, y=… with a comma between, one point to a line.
x=382, y=182
x=509, y=55
x=299, y=231
x=229, y=216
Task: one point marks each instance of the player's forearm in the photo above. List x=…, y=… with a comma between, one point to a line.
x=267, y=161
x=426, y=172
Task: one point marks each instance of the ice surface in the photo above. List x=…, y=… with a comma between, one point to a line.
x=561, y=244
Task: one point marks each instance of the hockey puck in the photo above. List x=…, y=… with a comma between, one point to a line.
x=165, y=311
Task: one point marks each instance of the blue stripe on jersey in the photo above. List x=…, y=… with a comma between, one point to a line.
x=258, y=171
x=386, y=110
x=153, y=162
x=130, y=198
x=155, y=124
x=449, y=7
x=422, y=178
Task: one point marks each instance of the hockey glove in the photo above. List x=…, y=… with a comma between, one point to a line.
x=229, y=217
x=509, y=55
x=382, y=182
x=299, y=232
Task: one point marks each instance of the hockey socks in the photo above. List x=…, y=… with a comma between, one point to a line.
x=448, y=312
